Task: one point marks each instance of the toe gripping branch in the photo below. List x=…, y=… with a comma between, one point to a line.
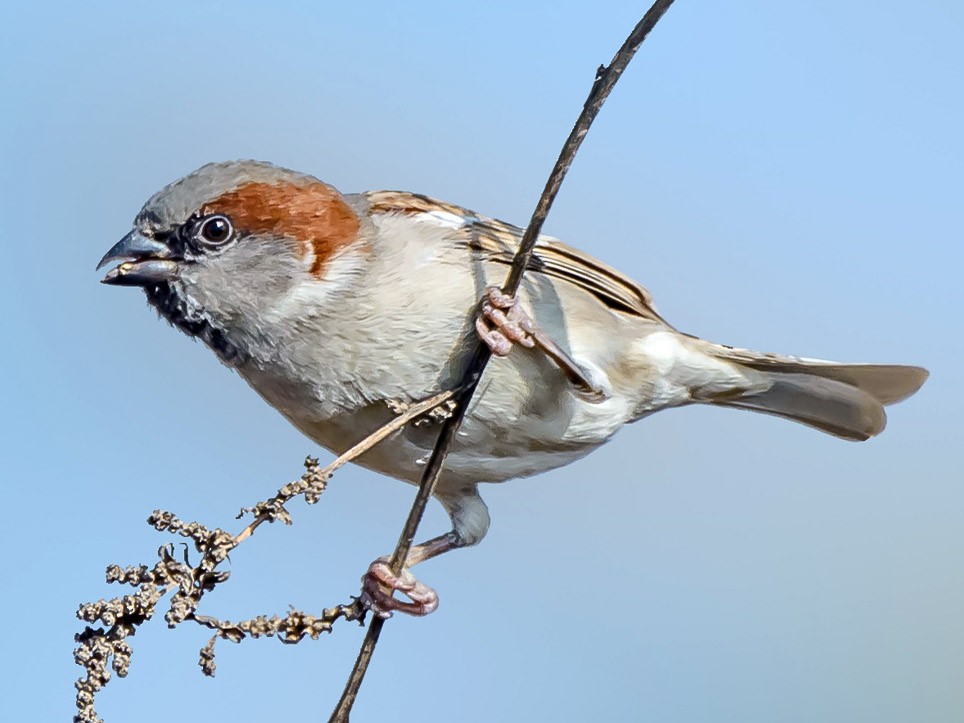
x=379, y=583
x=502, y=323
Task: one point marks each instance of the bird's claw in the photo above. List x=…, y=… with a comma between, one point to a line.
x=379, y=584
x=502, y=323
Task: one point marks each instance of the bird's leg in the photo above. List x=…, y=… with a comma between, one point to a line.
x=470, y=521
x=503, y=322
x=379, y=583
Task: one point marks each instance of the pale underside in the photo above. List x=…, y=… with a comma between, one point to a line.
x=415, y=324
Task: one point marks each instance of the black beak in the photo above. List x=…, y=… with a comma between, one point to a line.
x=146, y=261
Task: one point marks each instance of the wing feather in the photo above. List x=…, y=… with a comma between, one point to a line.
x=497, y=241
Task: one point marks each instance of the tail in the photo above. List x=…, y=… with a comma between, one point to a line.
x=846, y=400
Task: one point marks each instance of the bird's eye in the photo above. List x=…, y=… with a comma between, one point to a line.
x=216, y=230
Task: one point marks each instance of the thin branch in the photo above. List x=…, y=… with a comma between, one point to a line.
x=606, y=78
x=416, y=410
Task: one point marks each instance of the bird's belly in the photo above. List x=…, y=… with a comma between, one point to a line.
x=524, y=419
x=480, y=452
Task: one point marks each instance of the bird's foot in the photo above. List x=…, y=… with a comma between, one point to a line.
x=379, y=585
x=503, y=323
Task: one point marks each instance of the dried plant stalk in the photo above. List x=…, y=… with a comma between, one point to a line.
x=105, y=649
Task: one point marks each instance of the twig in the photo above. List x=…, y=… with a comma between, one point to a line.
x=102, y=649
x=606, y=77
x=416, y=410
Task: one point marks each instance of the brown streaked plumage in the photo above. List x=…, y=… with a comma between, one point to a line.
x=312, y=213
x=407, y=203
x=497, y=241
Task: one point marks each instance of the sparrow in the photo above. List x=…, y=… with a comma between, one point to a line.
x=337, y=308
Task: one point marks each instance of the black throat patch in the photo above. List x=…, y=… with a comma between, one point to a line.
x=172, y=306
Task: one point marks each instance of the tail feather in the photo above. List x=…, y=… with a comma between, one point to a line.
x=846, y=400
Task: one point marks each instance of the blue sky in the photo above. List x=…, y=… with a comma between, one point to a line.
x=783, y=176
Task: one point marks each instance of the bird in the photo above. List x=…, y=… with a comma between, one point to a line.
x=337, y=308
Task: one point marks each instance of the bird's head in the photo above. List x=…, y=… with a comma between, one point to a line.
x=220, y=251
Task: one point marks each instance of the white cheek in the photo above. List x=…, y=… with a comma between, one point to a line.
x=313, y=294
x=197, y=302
